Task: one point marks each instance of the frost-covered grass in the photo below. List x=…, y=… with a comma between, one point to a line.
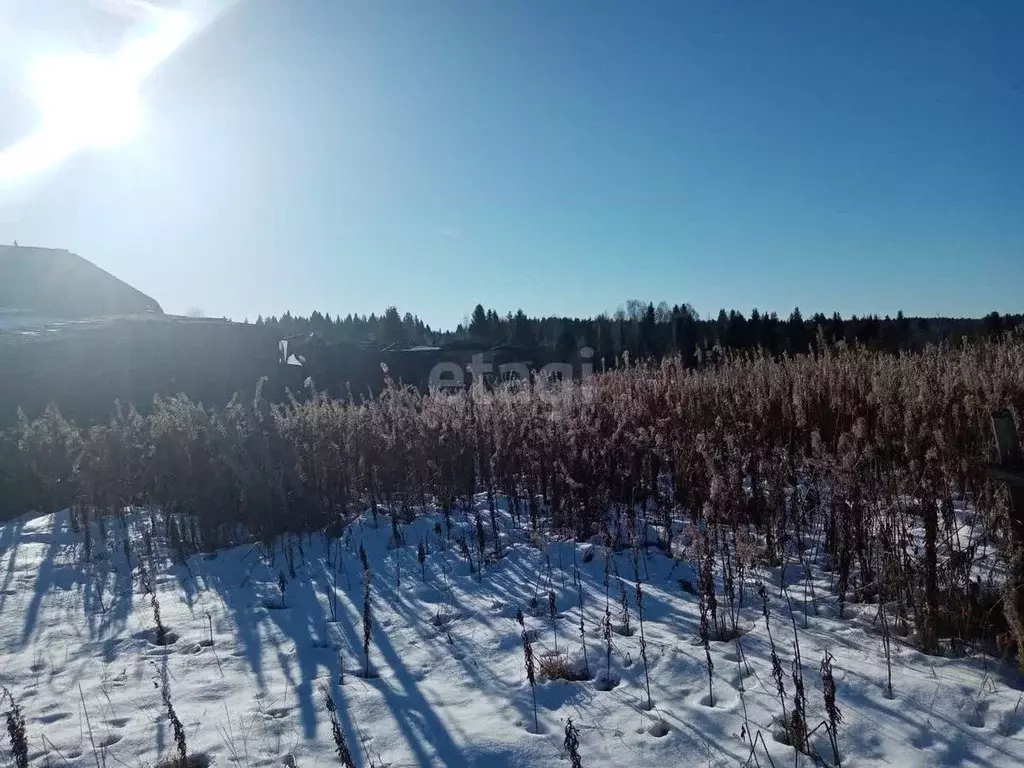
x=447, y=684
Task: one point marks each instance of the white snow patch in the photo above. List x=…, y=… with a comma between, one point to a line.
x=449, y=686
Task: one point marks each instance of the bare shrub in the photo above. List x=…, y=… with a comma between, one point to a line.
x=16, y=731
x=559, y=666
x=340, y=743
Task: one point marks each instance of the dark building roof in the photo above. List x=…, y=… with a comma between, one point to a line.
x=51, y=282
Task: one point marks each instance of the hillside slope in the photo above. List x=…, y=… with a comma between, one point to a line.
x=50, y=282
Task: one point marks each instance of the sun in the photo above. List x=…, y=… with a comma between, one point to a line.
x=86, y=100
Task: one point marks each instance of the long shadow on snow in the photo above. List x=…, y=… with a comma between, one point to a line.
x=10, y=538
x=956, y=738
x=299, y=623
x=45, y=579
x=419, y=724
x=238, y=599
x=512, y=579
x=416, y=719
x=496, y=687
x=410, y=702
x=61, y=567
x=122, y=597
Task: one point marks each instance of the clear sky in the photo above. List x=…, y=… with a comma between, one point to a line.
x=560, y=156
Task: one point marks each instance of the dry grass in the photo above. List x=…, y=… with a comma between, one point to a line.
x=876, y=455
x=559, y=666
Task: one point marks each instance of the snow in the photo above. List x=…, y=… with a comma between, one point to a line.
x=450, y=687
x=13, y=319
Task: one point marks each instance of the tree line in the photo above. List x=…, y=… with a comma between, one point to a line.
x=648, y=331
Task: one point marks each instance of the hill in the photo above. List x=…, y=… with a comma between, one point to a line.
x=55, y=283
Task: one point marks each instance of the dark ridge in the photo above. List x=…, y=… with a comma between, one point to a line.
x=55, y=283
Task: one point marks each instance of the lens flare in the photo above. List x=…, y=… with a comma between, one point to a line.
x=86, y=102
x=92, y=102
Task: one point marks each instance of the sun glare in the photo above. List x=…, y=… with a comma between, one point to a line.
x=90, y=102
x=85, y=99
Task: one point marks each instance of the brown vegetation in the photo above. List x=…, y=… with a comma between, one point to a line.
x=881, y=456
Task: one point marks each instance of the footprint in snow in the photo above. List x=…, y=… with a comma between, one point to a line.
x=976, y=717
x=53, y=717
x=659, y=728
x=923, y=739
x=1011, y=723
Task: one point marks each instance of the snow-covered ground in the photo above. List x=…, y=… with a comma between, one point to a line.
x=450, y=689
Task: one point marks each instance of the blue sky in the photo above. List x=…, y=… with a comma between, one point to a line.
x=559, y=156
